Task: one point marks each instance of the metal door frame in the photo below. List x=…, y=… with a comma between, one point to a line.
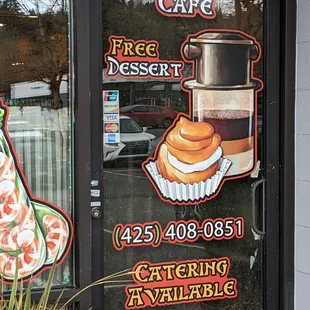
x=280, y=29
x=287, y=154
x=87, y=62
x=271, y=173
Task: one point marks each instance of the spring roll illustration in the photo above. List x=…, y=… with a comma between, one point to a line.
x=33, y=233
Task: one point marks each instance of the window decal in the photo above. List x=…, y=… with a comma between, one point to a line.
x=139, y=59
x=187, y=8
x=173, y=283
x=217, y=141
x=33, y=232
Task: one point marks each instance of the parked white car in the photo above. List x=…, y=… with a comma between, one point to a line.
x=135, y=142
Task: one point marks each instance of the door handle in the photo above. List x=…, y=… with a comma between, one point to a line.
x=254, y=220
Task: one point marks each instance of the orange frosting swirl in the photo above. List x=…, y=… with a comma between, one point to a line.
x=190, y=143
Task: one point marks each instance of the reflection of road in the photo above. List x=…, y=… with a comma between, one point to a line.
x=138, y=202
x=33, y=118
x=157, y=132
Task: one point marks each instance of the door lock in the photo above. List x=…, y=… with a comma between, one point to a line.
x=96, y=212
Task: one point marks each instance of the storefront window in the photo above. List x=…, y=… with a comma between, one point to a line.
x=34, y=87
x=218, y=46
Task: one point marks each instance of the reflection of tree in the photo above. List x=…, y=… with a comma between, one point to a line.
x=34, y=48
x=140, y=20
x=251, y=16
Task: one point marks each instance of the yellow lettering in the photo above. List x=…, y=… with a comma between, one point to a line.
x=222, y=267
x=180, y=271
x=207, y=290
x=140, y=49
x=138, y=271
x=151, y=50
x=192, y=273
x=211, y=268
x=166, y=295
x=229, y=288
x=128, y=49
x=168, y=269
x=135, y=298
x=116, y=44
x=217, y=291
x=155, y=274
x=153, y=297
x=194, y=292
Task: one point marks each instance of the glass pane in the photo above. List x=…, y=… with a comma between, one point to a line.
x=157, y=209
x=36, y=148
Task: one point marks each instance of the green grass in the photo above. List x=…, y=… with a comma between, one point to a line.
x=20, y=298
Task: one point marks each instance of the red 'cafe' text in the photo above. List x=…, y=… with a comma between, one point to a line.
x=186, y=8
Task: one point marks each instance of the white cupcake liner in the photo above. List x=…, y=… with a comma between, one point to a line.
x=188, y=192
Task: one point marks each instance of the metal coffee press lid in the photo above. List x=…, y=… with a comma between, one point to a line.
x=223, y=60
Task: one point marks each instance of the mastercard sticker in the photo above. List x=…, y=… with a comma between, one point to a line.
x=111, y=128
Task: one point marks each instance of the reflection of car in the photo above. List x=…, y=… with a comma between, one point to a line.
x=260, y=124
x=153, y=145
x=150, y=115
x=135, y=142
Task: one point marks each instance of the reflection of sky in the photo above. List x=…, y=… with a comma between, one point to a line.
x=227, y=6
x=41, y=6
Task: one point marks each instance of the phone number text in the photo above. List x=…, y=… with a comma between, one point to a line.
x=153, y=234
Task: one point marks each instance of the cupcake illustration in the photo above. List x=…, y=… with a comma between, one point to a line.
x=188, y=165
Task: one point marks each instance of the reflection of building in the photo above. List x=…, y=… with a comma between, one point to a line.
x=132, y=91
x=147, y=91
x=35, y=93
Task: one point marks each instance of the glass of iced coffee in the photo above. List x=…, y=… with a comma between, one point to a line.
x=231, y=112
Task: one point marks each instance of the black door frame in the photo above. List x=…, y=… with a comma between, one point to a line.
x=278, y=95
x=87, y=63
x=287, y=154
x=271, y=61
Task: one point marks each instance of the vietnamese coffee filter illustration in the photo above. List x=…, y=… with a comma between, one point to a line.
x=31, y=234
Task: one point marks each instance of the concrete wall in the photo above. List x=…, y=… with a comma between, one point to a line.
x=302, y=178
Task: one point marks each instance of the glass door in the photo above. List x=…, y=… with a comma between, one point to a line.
x=184, y=151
